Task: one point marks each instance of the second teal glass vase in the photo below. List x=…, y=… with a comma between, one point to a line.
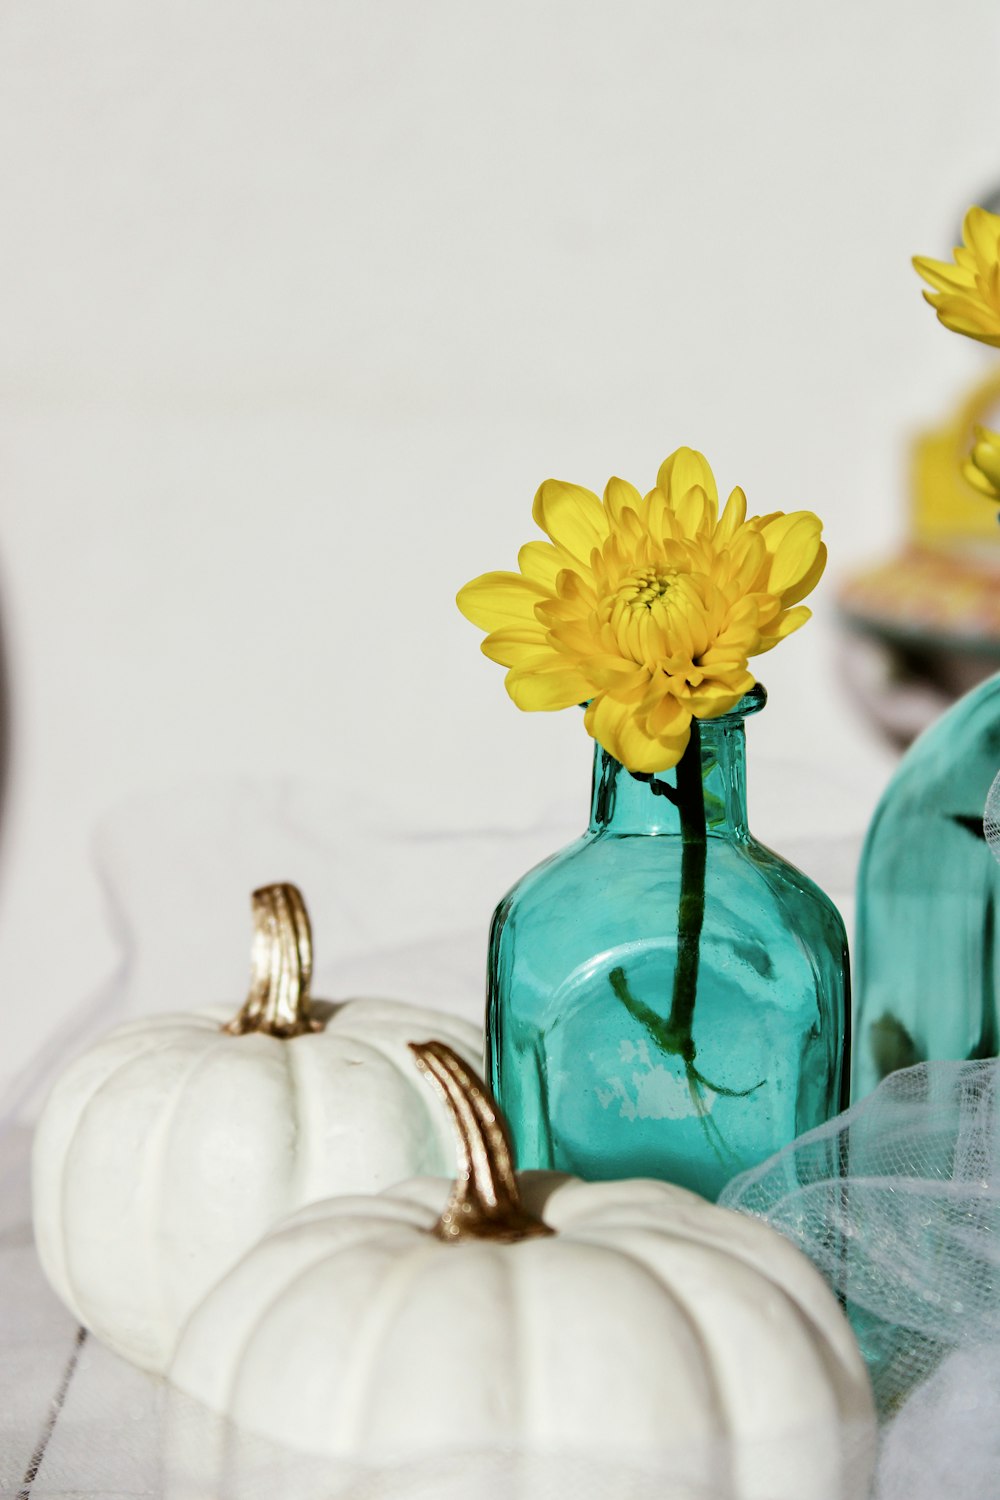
x=928, y=898
x=666, y=997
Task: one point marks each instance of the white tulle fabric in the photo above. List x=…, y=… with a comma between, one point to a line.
x=896, y=1203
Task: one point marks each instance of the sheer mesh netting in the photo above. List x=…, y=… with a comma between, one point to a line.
x=898, y=1204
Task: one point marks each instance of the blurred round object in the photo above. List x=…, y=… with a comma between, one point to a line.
x=991, y=202
x=924, y=627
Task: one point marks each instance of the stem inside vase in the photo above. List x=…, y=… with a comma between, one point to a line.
x=691, y=909
x=674, y=1034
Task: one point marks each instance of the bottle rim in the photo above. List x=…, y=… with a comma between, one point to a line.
x=751, y=703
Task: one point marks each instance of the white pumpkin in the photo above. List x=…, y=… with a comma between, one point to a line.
x=622, y=1317
x=166, y=1150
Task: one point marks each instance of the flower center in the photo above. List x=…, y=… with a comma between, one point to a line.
x=647, y=587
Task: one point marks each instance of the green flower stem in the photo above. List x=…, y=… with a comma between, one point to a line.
x=674, y=1033
x=691, y=911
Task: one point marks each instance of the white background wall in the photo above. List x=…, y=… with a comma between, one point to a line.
x=301, y=301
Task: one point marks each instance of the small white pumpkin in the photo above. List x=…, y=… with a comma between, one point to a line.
x=166, y=1150
x=635, y=1319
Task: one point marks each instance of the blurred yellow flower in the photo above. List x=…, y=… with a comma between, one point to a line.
x=647, y=608
x=982, y=467
x=967, y=294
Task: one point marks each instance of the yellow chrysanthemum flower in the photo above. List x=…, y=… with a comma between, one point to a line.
x=967, y=294
x=647, y=608
x=982, y=467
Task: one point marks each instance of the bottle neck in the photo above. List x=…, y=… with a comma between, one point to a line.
x=623, y=803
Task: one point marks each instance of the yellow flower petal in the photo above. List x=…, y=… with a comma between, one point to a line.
x=979, y=480
x=513, y=648
x=732, y=517
x=718, y=697
x=661, y=522
x=571, y=516
x=668, y=717
x=942, y=276
x=602, y=720
x=985, y=456
x=542, y=563
x=576, y=589
x=615, y=673
x=749, y=561
x=973, y=318
x=792, y=619
x=620, y=496
x=498, y=599
x=966, y=295
x=648, y=754
x=808, y=581
x=981, y=232
x=794, y=543
x=982, y=468
x=614, y=726
x=741, y=620
x=551, y=687
x=684, y=469
x=696, y=512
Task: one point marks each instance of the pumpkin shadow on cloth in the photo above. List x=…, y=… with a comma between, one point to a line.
x=205, y=1454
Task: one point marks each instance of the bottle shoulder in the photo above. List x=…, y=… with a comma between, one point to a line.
x=793, y=886
x=597, y=877
x=952, y=759
x=929, y=820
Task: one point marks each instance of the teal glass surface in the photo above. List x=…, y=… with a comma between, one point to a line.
x=928, y=970
x=607, y=1061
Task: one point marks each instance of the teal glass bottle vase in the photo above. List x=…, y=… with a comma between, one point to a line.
x=928, y=895
x=666, y=997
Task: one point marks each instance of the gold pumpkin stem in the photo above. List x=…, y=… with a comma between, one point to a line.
x=278, y=1003
x=485, y=1203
